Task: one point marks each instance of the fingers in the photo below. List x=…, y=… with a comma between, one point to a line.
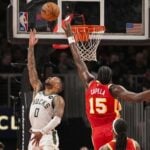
x=33, y=31
x=65, y=25
x=32, y=37
x=35, y=140
x=33, y=137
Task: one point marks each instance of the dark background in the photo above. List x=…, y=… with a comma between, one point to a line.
x=130, y=65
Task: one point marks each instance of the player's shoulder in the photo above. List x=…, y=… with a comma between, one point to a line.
x=92, y=82
x=135, y=143
x=58, y=97
x=115, y=89
x=58, y=101
x=105, y=147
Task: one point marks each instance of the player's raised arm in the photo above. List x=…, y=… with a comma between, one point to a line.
x=33, y=76
x=84, y=74
x=120, y=92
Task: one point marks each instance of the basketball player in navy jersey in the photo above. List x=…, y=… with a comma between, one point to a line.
x=47, y=107
x=101, y=95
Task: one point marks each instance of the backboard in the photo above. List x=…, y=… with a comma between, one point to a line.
x=123, y=19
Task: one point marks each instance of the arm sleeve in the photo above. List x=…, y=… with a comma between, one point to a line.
x=51, y=125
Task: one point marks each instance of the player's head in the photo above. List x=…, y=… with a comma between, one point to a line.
x=53, y=83
x=120, y=131
x=104, y=74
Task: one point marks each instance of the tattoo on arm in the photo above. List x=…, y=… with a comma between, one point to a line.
x=59, y=105
x=33, y=76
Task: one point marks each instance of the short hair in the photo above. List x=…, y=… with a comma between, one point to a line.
x=104, y=74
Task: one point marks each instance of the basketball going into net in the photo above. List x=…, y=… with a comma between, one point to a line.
x=50, y=11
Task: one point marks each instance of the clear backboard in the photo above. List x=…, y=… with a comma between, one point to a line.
x=124, y=19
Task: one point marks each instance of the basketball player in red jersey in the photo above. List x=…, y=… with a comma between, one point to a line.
x=102, y=106
x=47, y=107
x=121, y=141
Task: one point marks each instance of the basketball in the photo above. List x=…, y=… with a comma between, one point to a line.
x=50, y=11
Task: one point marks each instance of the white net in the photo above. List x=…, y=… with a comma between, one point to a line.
x=88, y=47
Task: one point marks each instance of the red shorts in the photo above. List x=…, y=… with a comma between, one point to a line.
x=101, y=135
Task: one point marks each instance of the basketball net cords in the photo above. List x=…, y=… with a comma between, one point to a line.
x=88, y=49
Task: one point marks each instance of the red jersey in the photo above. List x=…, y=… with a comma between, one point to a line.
x=130, y=144
x=101, y=106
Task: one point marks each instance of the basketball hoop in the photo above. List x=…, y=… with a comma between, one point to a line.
x=87, y=39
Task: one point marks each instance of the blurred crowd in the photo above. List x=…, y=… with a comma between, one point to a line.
x=125, y=61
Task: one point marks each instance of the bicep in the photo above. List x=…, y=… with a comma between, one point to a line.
x=59, y=106
x=121, y=93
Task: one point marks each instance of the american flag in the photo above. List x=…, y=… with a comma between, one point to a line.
x=134, y=28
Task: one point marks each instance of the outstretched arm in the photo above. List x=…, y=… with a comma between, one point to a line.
x=33, y=76
x=120, y=92
x=84, y=74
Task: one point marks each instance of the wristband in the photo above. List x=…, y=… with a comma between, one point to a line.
x=71, y=39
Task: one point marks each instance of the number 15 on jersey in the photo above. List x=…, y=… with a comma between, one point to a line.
x=98, y=105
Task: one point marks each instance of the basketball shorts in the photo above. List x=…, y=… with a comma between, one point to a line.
x=101, y=135
x=48, y=142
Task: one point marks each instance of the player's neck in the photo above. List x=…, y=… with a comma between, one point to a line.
x=48, y=92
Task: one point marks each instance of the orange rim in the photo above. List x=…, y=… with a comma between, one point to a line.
x=82, y=32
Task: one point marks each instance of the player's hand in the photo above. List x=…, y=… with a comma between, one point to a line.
x=32, y=38
x=36, y=138
x=67, y=28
